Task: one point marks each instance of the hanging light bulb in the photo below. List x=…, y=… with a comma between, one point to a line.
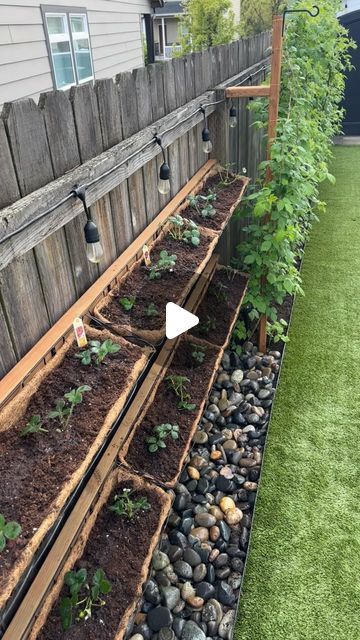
x=164, y=185
x=233, y=117
x=94, y=250
x=207, y=144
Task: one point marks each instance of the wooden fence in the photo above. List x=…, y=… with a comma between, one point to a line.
x=46, y=148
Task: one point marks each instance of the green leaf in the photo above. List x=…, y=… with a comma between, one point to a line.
x=153, y=448
x=66, y=613
x=2, y=541
x=12, y=530
x=2, y=522
x=250, y=259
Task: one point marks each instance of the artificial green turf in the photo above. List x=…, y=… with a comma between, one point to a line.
x=303, y=575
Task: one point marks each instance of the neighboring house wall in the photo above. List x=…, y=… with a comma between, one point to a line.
x=115, y=32
x=349, y=6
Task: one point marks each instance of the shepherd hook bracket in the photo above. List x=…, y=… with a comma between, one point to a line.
x=312, y=14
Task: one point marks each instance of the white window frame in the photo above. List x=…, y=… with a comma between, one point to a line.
x=66, y=13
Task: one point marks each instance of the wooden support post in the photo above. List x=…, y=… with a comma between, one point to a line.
x=273, y=118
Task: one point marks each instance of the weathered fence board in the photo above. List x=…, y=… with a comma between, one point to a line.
x=76, y=137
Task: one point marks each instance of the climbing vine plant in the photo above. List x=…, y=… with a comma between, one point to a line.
x=316, y=57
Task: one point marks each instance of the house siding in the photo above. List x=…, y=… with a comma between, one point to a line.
x=115, y=32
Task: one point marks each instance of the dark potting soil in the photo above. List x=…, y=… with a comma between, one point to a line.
x=226, y=197
x=217, y=309
x=34, y=469
x=169, y=288
x=118, y=546
x=165, y=463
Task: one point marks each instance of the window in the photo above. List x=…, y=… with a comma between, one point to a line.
x=68, y=40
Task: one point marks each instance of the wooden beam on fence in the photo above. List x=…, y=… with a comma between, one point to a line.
x=275, y=87
x=127, y=154
x=24, y=369
x=24, y=211
x=248, y=92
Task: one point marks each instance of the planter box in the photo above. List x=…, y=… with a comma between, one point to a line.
x=220, y=307
x=165, y=465
x=228, y=199
x=172, y=287
x=40, y=471
x=122, y=548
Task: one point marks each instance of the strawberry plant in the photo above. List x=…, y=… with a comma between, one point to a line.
x=207, y=325
x=8, y=531
x=227, y=176
x=160, y=433
x=276, y=331
x=124, y=505
x=33, y=426
x=177, y=384
x=98, y=351
x=220, y=291
x=165, y=263
x=64, y=408
x=198, y=353
x=128, y=303
x=151, y=310
x=182, y=229
x=83, y=596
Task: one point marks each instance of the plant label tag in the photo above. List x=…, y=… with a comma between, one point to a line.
x=146, y=254
x=80, y=333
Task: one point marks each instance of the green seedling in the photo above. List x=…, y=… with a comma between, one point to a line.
x=8, y=531
x=227, y=176
x=208, y=211
x=203, y=205
x=151, y=310
x=128, y=303
x=33, y=426
x=198, y=353
x=64, y=408
x=220, y=291
x=98, y=351
x=124, y=505
x=177, y=384
x=160, y=433
x=184, y=230
x=208, y=325
x=83, y=596
x=166, y=262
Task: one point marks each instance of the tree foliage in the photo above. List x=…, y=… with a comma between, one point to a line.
x=206, y=23
x=256, y=15
x=316, y=56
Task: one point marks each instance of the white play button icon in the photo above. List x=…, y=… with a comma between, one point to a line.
x=178, y=320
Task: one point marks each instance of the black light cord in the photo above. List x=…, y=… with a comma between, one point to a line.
x=107, y=173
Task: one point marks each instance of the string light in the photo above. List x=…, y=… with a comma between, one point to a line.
x=164, y=176
x=232, y=117
x=94, y=250
x=207, y=144
x=118, y=165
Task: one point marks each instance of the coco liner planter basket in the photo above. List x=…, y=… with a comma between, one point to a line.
x=122, y=548
x=220, y=306
x=227, y=200
x=162, y=407
x=40, y=471
x=171, y=287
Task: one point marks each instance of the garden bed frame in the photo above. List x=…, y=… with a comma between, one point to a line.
x=20, y=619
